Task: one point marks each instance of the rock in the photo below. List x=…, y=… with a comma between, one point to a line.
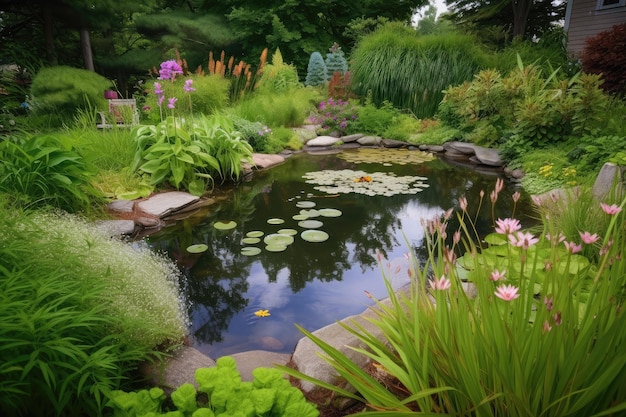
x=350, y=145
x=369, y=140
x=461, y=147
x=305, y=134
x=351, y=138
x=160, y=205
x=432, y=148
x=121, y=206
x=262, y=161
x=149, y=222
x=250, y=360
x=609, y=175
x=116, y=227
x=487, y=156
x=392, y=143
x=324, y=141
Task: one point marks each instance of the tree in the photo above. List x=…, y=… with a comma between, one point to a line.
x=526, y=19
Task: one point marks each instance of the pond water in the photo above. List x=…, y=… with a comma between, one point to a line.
x=312, y=284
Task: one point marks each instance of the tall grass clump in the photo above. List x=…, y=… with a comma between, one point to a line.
x=540, y=333
x=396, y=64
x=79, y=311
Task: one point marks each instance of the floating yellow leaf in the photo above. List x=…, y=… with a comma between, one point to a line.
x=262, y=313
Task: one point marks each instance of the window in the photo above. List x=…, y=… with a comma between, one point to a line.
x=609, y=4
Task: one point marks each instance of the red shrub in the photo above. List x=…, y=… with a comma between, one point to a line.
x=339, y=86
x=605, y=54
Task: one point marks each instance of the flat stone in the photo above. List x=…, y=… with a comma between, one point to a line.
x=610, y=174
x=121, y=206
x=351, y=138
x=305, y=134
x=162, y=204
x=149, y=222
x=462, y=147
x=263, y=161
x=488, y=156
x=370, y=140
x=253, y=359
x=323, y=141
x=392, y=143
x=116, y=227
x=350, y=145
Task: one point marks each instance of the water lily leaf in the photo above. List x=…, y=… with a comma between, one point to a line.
x=255, y=233
x=289, y=232
x=250, y=240
x=310, y=213
x=275, y=221
x=300, y=217
x=275, y=248
x=305, y=204
x=314, y=236
x=387, y=156
x=198, y=248
x=278, y=239
x=310, y=224
x=225, y=225
x=330, y=212
x=496, y=239
x=377, y=183
x=250, y=250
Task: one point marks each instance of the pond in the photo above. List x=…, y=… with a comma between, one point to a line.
x=312, y=283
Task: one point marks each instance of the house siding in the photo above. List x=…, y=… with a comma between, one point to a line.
x=585, y=21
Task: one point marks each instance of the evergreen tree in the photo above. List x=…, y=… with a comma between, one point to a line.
x=336, y=61
x=316, y=74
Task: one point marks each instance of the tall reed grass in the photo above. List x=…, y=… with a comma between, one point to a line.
x=411, y=71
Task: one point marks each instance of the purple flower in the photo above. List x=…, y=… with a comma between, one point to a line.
x=169, y=69
x=188, y=88
x=171, y=102
x=158, y=90
x=160, y=100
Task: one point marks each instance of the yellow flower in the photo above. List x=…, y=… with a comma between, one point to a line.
x=262, y=313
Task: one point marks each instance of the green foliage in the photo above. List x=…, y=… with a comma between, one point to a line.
x=395, y=64
x=78, y=316
x=592, y=152
x=288, y=109
x=436, y=134
x=335, y=61
x=63, y=90
x=316, y=73
x=403, y=127
x=278, y=77
x=42, y=170
x=604, y=55
x=335, y=116
x=374, y=119
x=499, y=349
x=268, y=395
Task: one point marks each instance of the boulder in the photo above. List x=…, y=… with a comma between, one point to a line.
x=323, y=141
x=160, y=205
x=351, y=138
x=488, y=156
x=369, y=140
x=460, y=147
x=392, y=143
x=610, y=174
x=262, y=161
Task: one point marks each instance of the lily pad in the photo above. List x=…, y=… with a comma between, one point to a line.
x=387, y=156
x=330, y=212
x=275, y=248
x=314, y=236
x=255, y=233
x=305, y=204
x=310, y=213
x=310, y=224
x=225, y=225
x=289, y=232
x=250, y=250
x=275, y=221
x=250, y=240
x=198, y=248
x=300, y=217
x=278, y=239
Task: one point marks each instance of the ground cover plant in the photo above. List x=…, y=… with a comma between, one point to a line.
x=539, y=335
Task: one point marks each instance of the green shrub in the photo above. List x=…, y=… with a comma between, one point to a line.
x=288, y=109
x=79, y=316
x=374, y=119
x=604, y=55
x=395, y=64
x=335, y=116
x=278, y=77
x=63, y=90
x=436, y=134
x=42, y=170
x=316, y=74
x=268, y=395
x=592, y=152
x=403, y=127
x=335, y=61
x=537, y=335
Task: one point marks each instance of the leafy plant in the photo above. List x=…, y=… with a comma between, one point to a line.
x=41, y=170
x=535, y=338
x=336, y=116
x=603, y=54
x=374, y=119
x=269, y=394
x=278, y=77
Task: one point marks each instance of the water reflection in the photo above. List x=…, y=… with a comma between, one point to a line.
x=312, y=284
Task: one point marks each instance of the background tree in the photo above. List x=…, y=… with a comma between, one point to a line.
x=501, y=21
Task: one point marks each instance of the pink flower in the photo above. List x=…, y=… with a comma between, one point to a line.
x=522, y=240
x=546, y=326
x=493, y=196
x=456, y=237
x=507, y=226
x=158, y=90
x=611, y=210
x=497, y=275
x=499, y=185
x=516, y=196
x=463, y=203
x=588, y=238
x=160, y=100
x=169, y=69
x=507, y=292
x=440, y=284
x=559, y=238
x=572, y=247
x=171, y=102
x=187, y=87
